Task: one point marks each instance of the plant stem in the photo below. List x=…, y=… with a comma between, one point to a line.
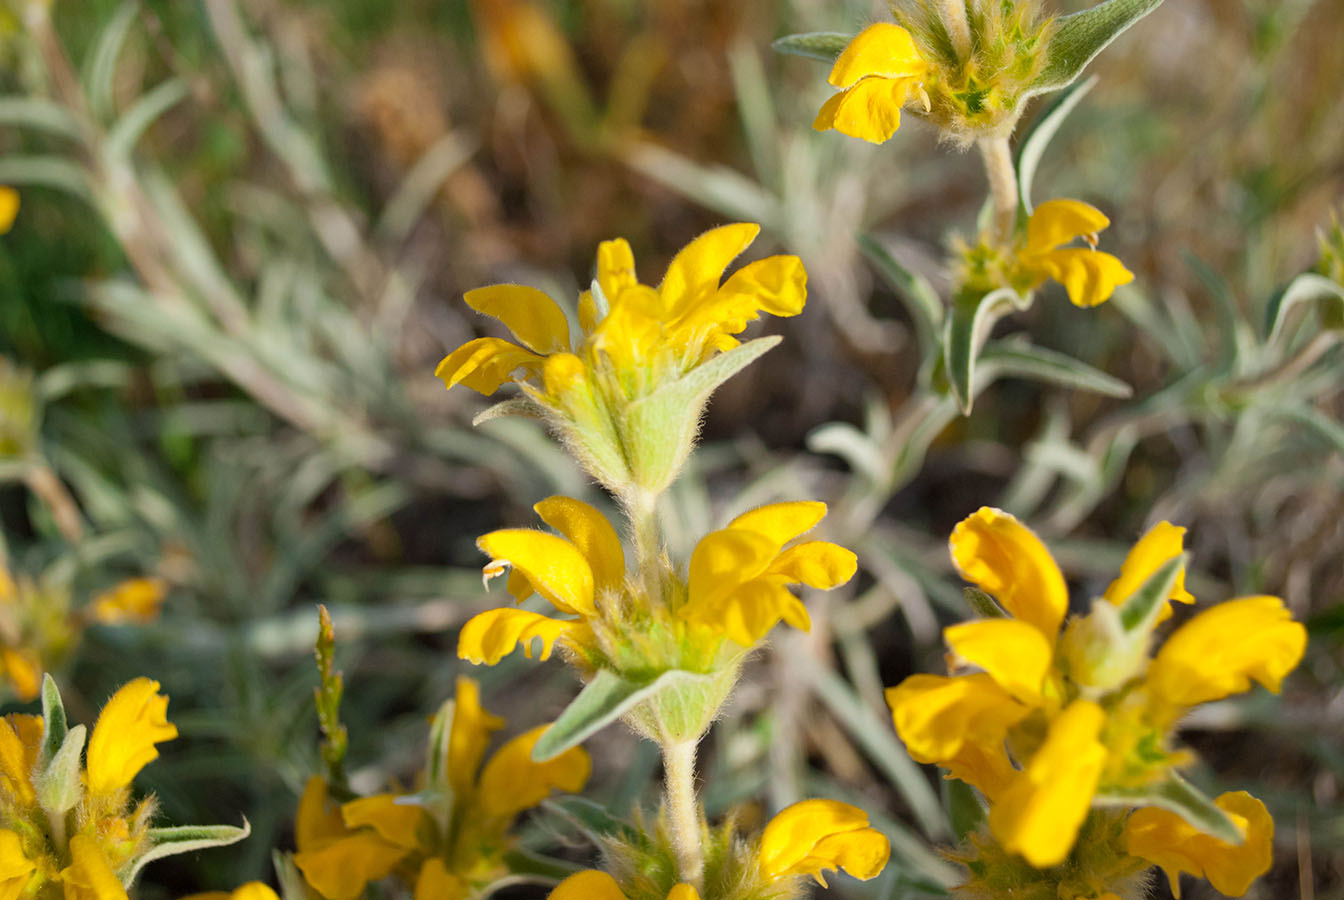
x=641, y=508
x=683, y=810
x=1002, y=182
x=958, y=28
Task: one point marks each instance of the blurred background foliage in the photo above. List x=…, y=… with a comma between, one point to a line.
x=246, y=227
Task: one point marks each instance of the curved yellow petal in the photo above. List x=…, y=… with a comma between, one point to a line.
x=469, y=734
x=435, y=882
x=817, y=564
x=1089, y=276
x=89, y=876
x=485, y=363
x=534, y=318
x=776, y=285
x=400, y=824
x=697, y=267
x=1015, y=654
x=589, y=531
x=723, y=560
x=1038, y=815
x=985, y=767
x=815, y=835
x=1221, y=650
x=1002, y=556
x=556, y=568
x=16, y=766
x=882, y=49
x=123, y=739
x=15, y=867
x=341, y=869
x=937, y=716
x=1159, y=544
x=589, y=884
x=9, y=207
x=1168, y=841
x=1056, y=222
x=781, y=522
x=615, y=268
x=512, y=782
x=870, y=110
x=748, y=613
x=492, y=635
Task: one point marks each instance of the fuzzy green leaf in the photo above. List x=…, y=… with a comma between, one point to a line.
x=982, y=604
x=59, y=786
x=185, y=839
x=1139, y=610
x=964, y=809
x=1042, y=131
x=914, y=290
x=1078, y=39
x=514, y=406
x=1051, y=367
x=822, y=45
x=604, y=699
x=1304, y=289
x=54, y=724
x=968, y=328
x=592, y=819
x=1185, y=800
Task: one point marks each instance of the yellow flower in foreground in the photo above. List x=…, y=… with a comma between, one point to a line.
x=878, y=73
x=1089, y=276
x=449, y=839
x=123, y=740
x=813, y=836
x=1176, y=846
x=9, y=207
x=594, y=885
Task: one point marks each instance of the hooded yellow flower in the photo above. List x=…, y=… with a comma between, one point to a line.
x=878, y=73
x=448, y=841
x=602, y=391
x=9, y=207
x=813, y=836
x=1089, y=276
x=1059, y=712
x=1174, y=845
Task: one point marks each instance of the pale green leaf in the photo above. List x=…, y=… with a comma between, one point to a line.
x=185, y=839
x=1185, y=800
x=967, y=329
x=914, y=290
x=1041, y=132
x=1078, y=38
x=144, y=112
x=1304, y=289
x=1140, y=609
x=1049, y=366
x=822, y=45
x=54, y=723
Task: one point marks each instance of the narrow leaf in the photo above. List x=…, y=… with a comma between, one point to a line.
x=1185, y=800
x=982, y=604
x=536, y=867
x=1042, y=131
x=968, y=328
x=1080, y=37
x=592, y=819
x=604, y=699
x=1049, y=366
x=43, y=115
x=1304, y=289
x=853, y=446
x=914, y=290
x=54, y=724
x=964, y=809
x=59, y=786
x=127, y=131
x=822, y=45
x=186, y=839
x=514, y=406
x=1139, y=610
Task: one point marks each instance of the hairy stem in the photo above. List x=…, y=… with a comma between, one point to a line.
x=1002, y=182
x=683, y=811
x=958, y=28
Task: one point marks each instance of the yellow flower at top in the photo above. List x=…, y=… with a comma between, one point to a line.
x=9, y=207
x=1089, y=275
x=878, y=73
x=634, y=339
x=447, y=841
x=1061, y=711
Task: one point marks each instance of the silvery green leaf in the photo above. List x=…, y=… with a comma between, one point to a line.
x=822, y=45
x=1138, y=611
x=914, y=290
x=1043, y=130
x=59, y=785
x=1185, y=800
x=43, y=115
x=1078, y=38
x=982, y=603
x=966, y=331
x=514, y=406
x=1306, y=288
x=185, y=839
x=851, y=445
x=1052, y=367
x=54, y=724
x=144, y=112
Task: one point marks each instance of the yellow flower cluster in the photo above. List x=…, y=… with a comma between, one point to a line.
x=804, y=840
x=1064, y=715
x=447, y=841
x=77, y=834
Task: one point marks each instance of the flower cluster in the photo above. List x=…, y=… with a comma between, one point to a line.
x=1062, y=717
x=449, y=839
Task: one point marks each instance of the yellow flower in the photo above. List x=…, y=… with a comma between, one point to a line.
x=133, y=600
x=253, y=890
x=591, y=884
x=1089, y=276
x=451, y=845
x=812, y=836
x=878, y=73
x=123, y=739
x=1168, y=841
x=9, y=207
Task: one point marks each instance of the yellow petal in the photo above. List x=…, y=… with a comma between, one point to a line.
x=985, y=767
x=317, y=822
x=401, y=824
x=781, y=522
x=1221, y=650
x=1159, y=544
x=1015, y=654
x=435, y=883
x=697, y=267
x=722, y=561
x=589, y=531
x=615, y=268
x=341, y=869
x=469, y=734
x=15, y=868
x=89, y=877
x=880, y=49
x=1089, y=276
x=1000, y=555
x=535, y=320
x=485, y=363
x=1057, y=222
x=492, y=635
x=1038, y=815
x=133, y=600
x=512, y=782
x=1166, y=840
x=23, y=670
x=253, y=890
x=776, y=285
x=683, y=892
x=9, y=207
x=814, y=835
x=936, y=716
x=556, y=568
x=123, y=740
x=631, y=331
x=817, y=564
x=869, y=111
x=748, y=613
x=589, y=884
x=16, y=766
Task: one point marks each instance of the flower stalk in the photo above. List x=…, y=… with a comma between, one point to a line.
x=1002, y=176
x=683, y=811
